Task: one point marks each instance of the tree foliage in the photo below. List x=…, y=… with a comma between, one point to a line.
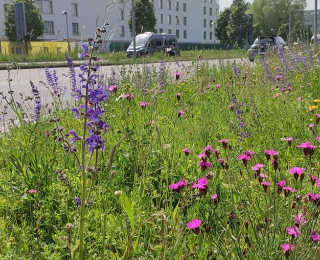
x=239, y=25
x=34, y=23
x=222, y=23
x=271, y=16
x=145, y=19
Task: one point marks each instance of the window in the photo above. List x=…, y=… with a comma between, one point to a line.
x=74, y=9
x=49, y=27
x=160, y=30
x=177, y=20
x=121, y=31
x=44, y=6
x=169, y=5
x=160, y=18
x=169, y=19
x=184, y=7
x=210, y=11
x=160, y=4
x=5, y=9
x=210, y=23
x=184, y=34
x=204, y=23
x=204, y=35
x=210, y=35
x=184, y=20
x=177, y=34
x=204, y=10
x=159, y=42
x=169, y=31
x=75, y=29
x=177, y=6
x=121, y=14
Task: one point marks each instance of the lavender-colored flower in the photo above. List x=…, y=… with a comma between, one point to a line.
x=75, y=136
x=78, y=201
x=75, y=92
x=37, y=101
x=84, y=51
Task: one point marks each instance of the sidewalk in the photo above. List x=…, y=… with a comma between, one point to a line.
x=39, y=64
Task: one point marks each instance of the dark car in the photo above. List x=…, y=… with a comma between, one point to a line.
x=263, y=44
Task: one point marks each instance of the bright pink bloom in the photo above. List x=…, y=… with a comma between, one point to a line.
x=194, y=223
x=257, y=167
x=318, y=183
x=201, y=185
x=128, y=96
x=143, y=104
x=270, y=153
x=280, y=185
x=289, y=139
x=204, y=165
x=113, y=88
x=288, y=190
x=224, y=143
x=297, y=171
x=315, y=237
x=178, y=95
x=287, y=249
x=178, y=186
x=308, y=148
x=203, y=157
x=215, y=199
x=294, y=231
x=32, y=191
x=244, y=158
x=300, y=219
x=180, y=113
x=318, y=138
x=313, y=179
x=187, y=151
x=265, y=185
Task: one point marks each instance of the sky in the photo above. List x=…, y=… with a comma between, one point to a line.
x=227, y=3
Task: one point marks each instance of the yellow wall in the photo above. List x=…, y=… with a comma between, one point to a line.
x=7, y=48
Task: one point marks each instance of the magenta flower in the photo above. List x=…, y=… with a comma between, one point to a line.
x=313, y=179
x=299, y=219
x=297, y=171
x=318, y=183
x=113, y=88
x=178, y=186
x=217, y=86
x=224, y=143
x=314, y=236
x=204, y=165
x=180, y=113
x=215, y=199
x=257, y=168
x=178, y=74
x=287, y=249
x=288, y=190
x=194, y=225
x=249, y=153
x=265, y=185
x=308, y=148
x=278, y=77
x=289, y=139
x=32, y=191
x=207, y=150
x=143, y=104
x=262, y=176
x=280, y=185
x=178, y=95
x=294, y=231
x=187, y=151
x=318, y=138
x=203, y=157
x=201, y=185
x=270, y=153
x=128, y=96
x=244, y=158
x=224, y=163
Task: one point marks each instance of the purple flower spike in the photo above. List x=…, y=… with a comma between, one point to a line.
x=78, y=201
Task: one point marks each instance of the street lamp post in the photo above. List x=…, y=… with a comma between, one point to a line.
x=214, y=38
x=64, y=12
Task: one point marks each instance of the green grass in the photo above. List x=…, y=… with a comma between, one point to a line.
x=134, y=214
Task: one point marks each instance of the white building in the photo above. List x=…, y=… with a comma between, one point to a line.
x=192, y=21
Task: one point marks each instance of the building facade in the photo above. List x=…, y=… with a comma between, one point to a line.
x=193, y=21
x=309, y=19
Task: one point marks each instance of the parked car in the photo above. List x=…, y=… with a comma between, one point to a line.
x=149, y=43
x=263, y=44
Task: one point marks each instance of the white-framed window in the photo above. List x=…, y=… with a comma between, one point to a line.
x=49, y=26
x=178, y=34
x=160, y=4
x=177, y=20
x=169, y=19
x=210, y=11
x=177, y=6
x=121, y=14
x=75, y=29
x=121, y=31
x=184, y=34
x=184, y=20
x=184, y=7
x=160, y=18
x=169, y=4
x=44, y=6
x=74, y=10
x=210, y=23
x=5, y=6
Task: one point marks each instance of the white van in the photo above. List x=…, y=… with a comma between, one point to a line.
x=149, y=43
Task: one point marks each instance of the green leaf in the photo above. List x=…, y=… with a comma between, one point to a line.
x=127, y=206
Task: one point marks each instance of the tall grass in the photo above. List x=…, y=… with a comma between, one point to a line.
x=134, y=211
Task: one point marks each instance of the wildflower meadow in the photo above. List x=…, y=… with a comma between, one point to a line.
x=210, y=161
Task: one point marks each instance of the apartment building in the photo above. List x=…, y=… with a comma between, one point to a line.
x=309, y=19
x=192, y=21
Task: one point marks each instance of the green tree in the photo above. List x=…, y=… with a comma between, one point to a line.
x=222, y=22
x=272, y=15
x=145, y=19
x=34, y=23
x=300, y=33
x=238, y=27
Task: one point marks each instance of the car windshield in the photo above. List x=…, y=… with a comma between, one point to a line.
x=264, y=41
x=140, y=40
